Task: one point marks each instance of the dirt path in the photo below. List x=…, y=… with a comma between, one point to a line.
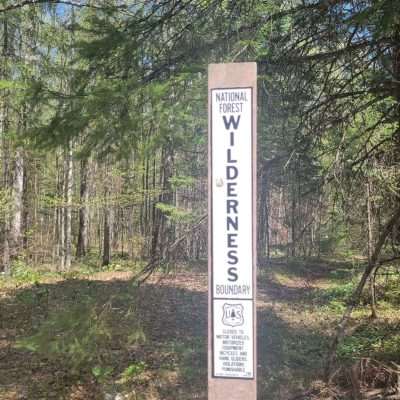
x=153, y=339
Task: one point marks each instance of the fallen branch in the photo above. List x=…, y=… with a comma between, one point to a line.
x=389, y=260
x=154, y=263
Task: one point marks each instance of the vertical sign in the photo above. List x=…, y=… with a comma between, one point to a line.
x=232, y=231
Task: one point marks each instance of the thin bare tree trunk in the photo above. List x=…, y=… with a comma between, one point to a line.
x=107, y=234
x=6, y=264
x=82, y=246
x=60, y=250
x=293, y=223
x=68, y=207
x=17, y=203
x=372, y=280
x=25, y=214
x=5, y=267
x=61, y=225
x=160, y=236
x=369, y=221
x=263, y=228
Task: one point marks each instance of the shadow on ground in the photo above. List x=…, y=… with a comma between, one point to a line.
x=160, y=329
x=309, y=285
x=313, y=268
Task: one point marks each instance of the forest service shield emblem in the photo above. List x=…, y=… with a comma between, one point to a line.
x=232, y=315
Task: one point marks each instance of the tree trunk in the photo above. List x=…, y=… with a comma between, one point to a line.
x=82, y=245
x=107, y=233
x=68, y=208
x=159, y=234
x=107, y=236
x=369, y=221
x=5, y=262
x=60, y=249
x=17, y=204
x=263, y=226
x=25, y=201
x=293, y=222
x=370, y=251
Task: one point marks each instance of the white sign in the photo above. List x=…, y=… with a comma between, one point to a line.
x=232, y=233
x=233, y=338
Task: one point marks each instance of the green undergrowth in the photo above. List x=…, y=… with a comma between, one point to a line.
x=379, y=340
x=332, y=283
x=79, y=332
x=22, y=273
x=96, y=330
x=86, y=329
x=187, y=357
x=321, y=292
x=152, y=338
x=334, y=298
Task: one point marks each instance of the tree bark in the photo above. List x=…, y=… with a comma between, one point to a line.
x=107, y=237
x=6, y=264
x=5, y=267
x=60, y=249
x=263, y=217
x=369, y=221
x=68, y=208
x=374, y=313
x=82, y=245
x=293, y=222
x=17, y=204
x=159, y=234
x=25, y=201
x=107, y=231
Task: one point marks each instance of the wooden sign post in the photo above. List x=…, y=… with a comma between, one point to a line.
x=232, y=364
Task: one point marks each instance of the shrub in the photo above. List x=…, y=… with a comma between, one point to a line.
x=81, y=336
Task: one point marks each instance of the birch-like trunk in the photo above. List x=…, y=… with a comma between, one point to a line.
x=17, y=203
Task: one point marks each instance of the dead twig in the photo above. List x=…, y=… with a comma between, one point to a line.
x=168, y=252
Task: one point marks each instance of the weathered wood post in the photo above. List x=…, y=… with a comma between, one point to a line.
x=232, y=353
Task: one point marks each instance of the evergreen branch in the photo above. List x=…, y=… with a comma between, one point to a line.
x=72, y=3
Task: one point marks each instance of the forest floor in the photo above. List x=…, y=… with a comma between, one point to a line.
x=99, y=336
